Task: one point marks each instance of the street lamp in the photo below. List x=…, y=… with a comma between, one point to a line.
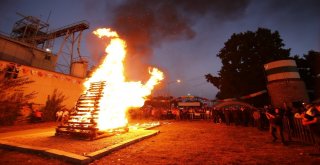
x=178, y=81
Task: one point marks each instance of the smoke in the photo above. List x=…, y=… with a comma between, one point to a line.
x=145, y=24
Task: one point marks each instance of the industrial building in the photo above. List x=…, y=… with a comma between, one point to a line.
x=28, y=52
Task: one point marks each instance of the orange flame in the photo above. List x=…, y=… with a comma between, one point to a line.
x=119, y=95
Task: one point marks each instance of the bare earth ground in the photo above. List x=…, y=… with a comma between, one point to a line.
x=179, y=142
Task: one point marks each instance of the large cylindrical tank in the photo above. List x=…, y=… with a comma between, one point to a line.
x=79, y=68
x=284, y=83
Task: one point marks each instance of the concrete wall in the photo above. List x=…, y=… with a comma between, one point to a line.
x=22, y=53
x=46, y=81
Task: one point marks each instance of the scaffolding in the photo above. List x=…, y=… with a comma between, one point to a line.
x=28, y=28
x=35, y=32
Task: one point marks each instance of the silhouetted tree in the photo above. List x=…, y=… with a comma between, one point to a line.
x=243, y=57
x=13, y=98
x=307, y=66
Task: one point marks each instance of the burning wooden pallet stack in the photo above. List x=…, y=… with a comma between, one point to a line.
x=83, y=123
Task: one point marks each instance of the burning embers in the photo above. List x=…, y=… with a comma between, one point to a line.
x=108, y=96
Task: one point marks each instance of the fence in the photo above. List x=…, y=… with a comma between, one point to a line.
x=294, y=129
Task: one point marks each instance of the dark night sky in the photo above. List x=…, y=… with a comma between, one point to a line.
x=180, y=37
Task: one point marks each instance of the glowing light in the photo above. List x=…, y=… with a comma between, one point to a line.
x=119, y=95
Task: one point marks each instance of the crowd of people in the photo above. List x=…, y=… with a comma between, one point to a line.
x=167, y=113
x=274, y=119
x=311, y=118
x=267, y=118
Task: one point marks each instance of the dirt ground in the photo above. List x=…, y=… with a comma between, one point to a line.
x=192, y=142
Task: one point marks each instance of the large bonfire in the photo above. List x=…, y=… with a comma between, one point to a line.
x=119, y=95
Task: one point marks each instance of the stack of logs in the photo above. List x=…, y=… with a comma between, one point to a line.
x=83, y=122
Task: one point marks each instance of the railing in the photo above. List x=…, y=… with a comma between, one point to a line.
x=294, y=129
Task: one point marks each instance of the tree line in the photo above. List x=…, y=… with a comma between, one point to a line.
x=243, y=57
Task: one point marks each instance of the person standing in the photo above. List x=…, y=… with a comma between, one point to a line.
x=59, y=115
x=176, y=113
x=208, y=114
x=65, y=116
x=276, y=126
x=257, y=119
x=227, y=114
x=191, y=113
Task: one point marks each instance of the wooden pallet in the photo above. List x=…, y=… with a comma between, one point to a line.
x=83, y=123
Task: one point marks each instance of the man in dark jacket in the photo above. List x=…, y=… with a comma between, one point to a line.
x=276, y=126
